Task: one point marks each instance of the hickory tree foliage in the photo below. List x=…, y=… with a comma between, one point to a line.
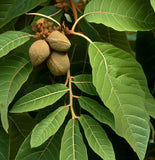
x=103, y=108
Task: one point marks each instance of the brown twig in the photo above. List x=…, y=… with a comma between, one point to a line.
x=71, y=96
x=74, y=10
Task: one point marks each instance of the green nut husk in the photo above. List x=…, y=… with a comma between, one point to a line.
x=58, y=41
x=38, y=52
x=58, y=63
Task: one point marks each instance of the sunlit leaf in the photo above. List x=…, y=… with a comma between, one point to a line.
x=85, y=84
x=10, y=40
x=14, y=71
x=48, y=126
x=153, y=4
x=4, y=144
x=10, y=9
x=122, y=15
x=72, y=145
x=20, y=125
x=98, y=111
x=97, y=138
x=39, y=98
x=116, y=76
x=49, y=150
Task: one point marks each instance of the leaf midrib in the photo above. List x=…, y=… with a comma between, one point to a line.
x=42, y=97
x=119, y=15
x=11, y=81
x=53, y=119
x=73, y=136
x=20, y=131
x=13, y=41
x=94, y=108
x=95, y=137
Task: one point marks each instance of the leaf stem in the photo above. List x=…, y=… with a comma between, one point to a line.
x=42, y=15
x=153, y=133
x=76, y=97
x=77, y=21
x=84, y=15
x=71, y=96
x=74, y=10
x=82, y=35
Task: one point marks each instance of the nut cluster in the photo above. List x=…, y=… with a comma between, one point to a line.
x=51, y=48
x=62, y=4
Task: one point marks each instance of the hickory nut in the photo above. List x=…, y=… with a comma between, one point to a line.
x=58, y=63
x=58, y=41
x=38, y=52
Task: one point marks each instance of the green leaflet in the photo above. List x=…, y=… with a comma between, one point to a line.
x=10, y=9
x=153, y=4
x=39, y=98
x=10, y=40
x=85, y=84
x=49, y=150
x=98, y=111
x=4, y=144
x=116, y=76
x=97, y=138
x=20, y=125
x=14, y=71
x=122, y=15
x=48, y=126
x=72, y=145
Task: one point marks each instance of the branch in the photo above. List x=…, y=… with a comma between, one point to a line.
x=74, y=10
